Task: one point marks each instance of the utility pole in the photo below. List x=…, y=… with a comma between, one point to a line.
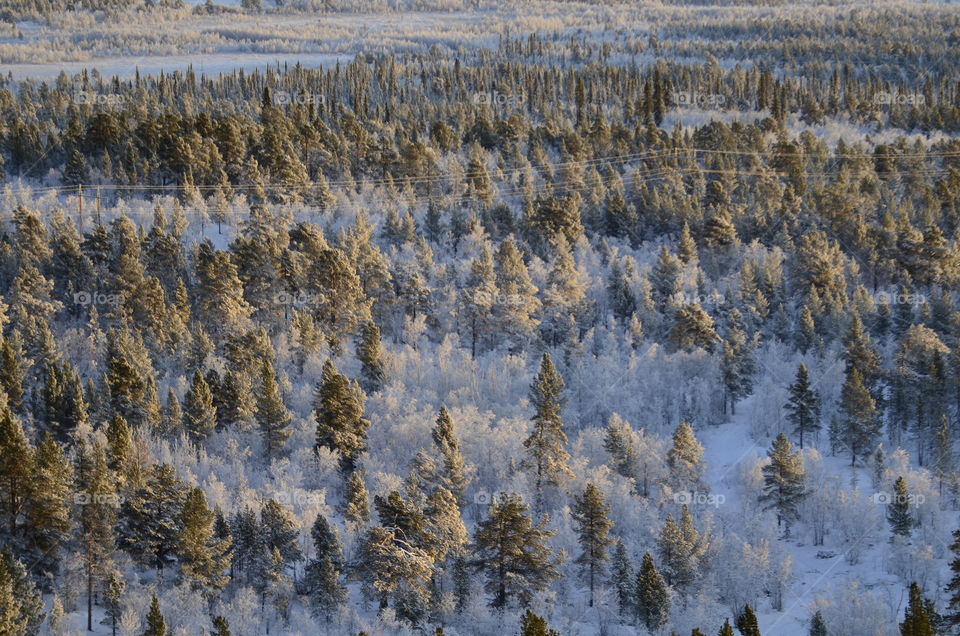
x=80, y=208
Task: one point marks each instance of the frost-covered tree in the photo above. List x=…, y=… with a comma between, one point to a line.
x=783, y=482
x=546, y=446
x=653, y=597
x=803, y=407
x=512, y=552
x=338, y=411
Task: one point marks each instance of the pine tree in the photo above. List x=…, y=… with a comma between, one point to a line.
x=692, y=328
x=804, y=405
x=114, y=601
x=516, y=303
x=653, y=598
x=736, y=368
x=156, y=625
x=338, y=411
x=860, y=420
x=11, y=375
x=818, y=627
x=356, y=508
x=272, y=415
x=687, y=248
x=746, y=622
x=21, y=606
x=621, y=578
x=726, y=629
x=221, y=627
x=281, y=531
x=952, y=618
x=119, y=444
x=916, y=619
x=328, y=593
x=533, y=625
x=898, y=510
x=477, y=298
x=326, y=542
x=681, y=550
x=47, y=521
x=150, y=521
x=685, y=459
x=199, y=413
x=512, y=552
x=453, y=475
x=203, y=557
x=16, y=467
x=97, y=516
x=370, y=353
x=546, y=452
x=591, y=516
x=783, y=482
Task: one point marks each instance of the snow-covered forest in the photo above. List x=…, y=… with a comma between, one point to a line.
x=480, y=318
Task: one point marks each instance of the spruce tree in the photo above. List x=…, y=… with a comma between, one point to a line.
x=726, y=629
x=327, y=592
x=371, y=355
x=338, y=411
x=818, y=627
x=590, y=515
x=693, y=328
x=221, y=627
x=203, y=557
x=804, y=405
x=546, y=446
x=199, y=413
x=114, y=601
x=453, y=475
x=16, y=467
x=916, y=619
x=272, y=415
x=156, y=625
x=860, y=423
x=46, y=514
x=783, y=482
x=512, y=552
x=653, y=598
x=281, y=533
x=898, y=510
x=96, y=518
x=685, y=459
x=621, y=578
x=533, y=625
x=21, y=606
x=356, y=506
x=746, y=622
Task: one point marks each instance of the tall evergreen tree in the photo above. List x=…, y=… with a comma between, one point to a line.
x=199, y=413
x=621, y=578
x=860, y=420
x=783, y=482
x=818, y=627
x=916, y=619
x=804, y=405
x=898, y=510
x=371, y=355
x=21, y=606
x=453, y=475
x=685, y=459
x=590, y=514
x=96, y=519
x=746, y=622
x=533, y=625
x=47, y=522
x=338, y=411
x=156, y=625
x=546, y=445
x=272, y=415
x=203, y=556
x=512, y=552
x=653, y=598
